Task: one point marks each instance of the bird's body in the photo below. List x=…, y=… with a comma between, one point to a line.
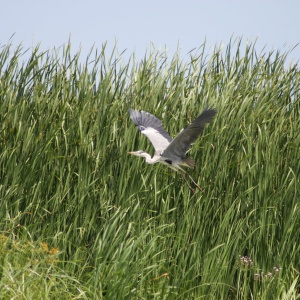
x=173, y=163
x=171, y=152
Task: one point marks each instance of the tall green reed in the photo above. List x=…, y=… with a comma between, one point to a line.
x=125, y=229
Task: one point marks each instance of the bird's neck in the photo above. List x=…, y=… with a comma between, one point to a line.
x=149, y=159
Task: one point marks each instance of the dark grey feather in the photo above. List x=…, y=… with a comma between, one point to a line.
x=152, y=127
x=144, y=119
x=183, y=141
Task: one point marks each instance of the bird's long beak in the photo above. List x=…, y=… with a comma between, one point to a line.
x=129, y=152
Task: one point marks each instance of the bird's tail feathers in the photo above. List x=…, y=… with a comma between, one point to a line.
x=189, y=162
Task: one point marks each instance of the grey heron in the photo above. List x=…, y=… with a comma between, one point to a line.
x=171, y=152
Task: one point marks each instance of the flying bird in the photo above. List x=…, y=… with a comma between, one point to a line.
x=171, y=152
x=168, y=151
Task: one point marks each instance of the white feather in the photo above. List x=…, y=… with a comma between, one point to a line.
x=158, y=141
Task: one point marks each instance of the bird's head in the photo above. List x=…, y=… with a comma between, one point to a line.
x=141, y=153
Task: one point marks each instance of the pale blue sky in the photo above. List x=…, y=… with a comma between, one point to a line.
x=165, y=23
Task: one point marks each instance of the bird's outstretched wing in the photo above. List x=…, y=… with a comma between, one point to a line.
x=152, y=127
x=183, y=141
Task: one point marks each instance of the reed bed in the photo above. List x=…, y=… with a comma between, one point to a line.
x=80, y=219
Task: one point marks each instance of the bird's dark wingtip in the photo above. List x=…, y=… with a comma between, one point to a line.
x=211, y=112
x=135, y=116
x=212, y=109
x=130, y=110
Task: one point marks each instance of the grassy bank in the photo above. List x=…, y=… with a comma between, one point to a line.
x=80, y=219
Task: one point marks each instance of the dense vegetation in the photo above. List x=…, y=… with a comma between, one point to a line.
x=80, y=219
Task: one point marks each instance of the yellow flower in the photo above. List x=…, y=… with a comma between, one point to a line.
x=45, y=247
x=53, y=251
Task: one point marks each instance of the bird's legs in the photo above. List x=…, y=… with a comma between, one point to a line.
x=194, y=182
x=187, y=183
x=182, y=172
